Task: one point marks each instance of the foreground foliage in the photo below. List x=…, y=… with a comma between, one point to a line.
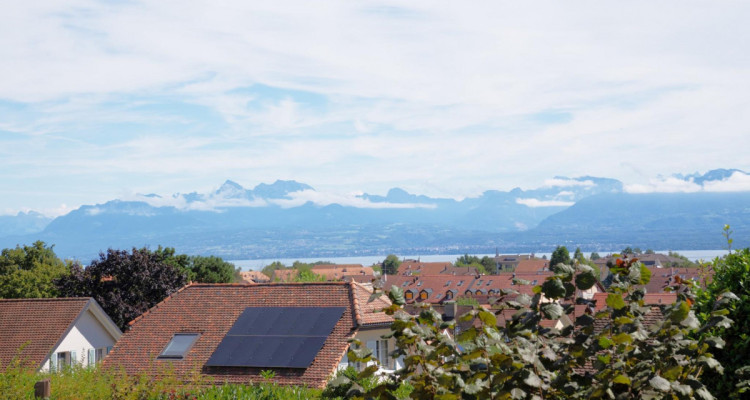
x=94, y=384
x=731, y=274
x=609, y=354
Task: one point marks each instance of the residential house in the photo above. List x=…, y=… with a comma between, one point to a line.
x=50, y=334
x=509, y=262
x=233, y=332
x=374, y=324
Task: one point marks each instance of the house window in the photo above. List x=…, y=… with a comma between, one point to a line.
x=489, y=282
x=480, y=282
x=408, y=295
x=460, y=283
x=381, y=352
x=448, y=283
x=423, y=295
x=448, y=295
x=179, y=346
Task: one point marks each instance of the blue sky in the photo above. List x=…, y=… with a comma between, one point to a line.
x=105, y=99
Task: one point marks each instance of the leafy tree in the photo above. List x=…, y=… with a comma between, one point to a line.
x=391, y=264
x=212, y=269
x=521, y=359
x=560, y=255
x=30, y=271
x=268, y=269
x=649, y=251
x=483, y=265
x=731, y=274
x=307, y=275
x=594, y=256
x=627, y=251
x=125, y=284
x=578, y=255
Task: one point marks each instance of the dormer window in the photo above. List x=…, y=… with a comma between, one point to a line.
x=409, y=295
x=423, y=295
x=448, y=295
x=178, y=347
x=468, y=292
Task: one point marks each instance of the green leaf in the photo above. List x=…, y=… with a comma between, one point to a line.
x=645, y=275
x=622, y=379
x=397, y=295
x=673, y=373
x=622, y=337
x=680, y=311
x=551, y=310
x=605, y=342
x=487, y=318
x=660, y=384
x=553, y=289
x=586, y=279
x=615, y=301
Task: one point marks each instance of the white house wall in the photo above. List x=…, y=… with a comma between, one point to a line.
x=367, y=336
x=86, y=334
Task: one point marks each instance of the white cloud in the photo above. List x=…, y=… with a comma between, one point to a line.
x=443, y=99
x=324, y=199
x=737, y=182
x=566, y=182
x=534, y=203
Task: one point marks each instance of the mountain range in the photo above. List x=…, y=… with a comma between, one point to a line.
x=287, y=219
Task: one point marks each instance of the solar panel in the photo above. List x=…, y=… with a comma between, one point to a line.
x=276, y=337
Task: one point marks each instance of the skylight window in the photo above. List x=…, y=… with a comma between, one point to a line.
x=179, y=346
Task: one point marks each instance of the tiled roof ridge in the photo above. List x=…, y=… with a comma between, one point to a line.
x=355, y=303
x=264, y=284
x=197, y=285
x=61, y=299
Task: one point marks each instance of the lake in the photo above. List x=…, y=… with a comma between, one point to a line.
x=694, y=255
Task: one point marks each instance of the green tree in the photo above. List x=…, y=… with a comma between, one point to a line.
x=126, y=284
x=649, y=251
x=391, y=264
x=731, y=274
x=30, y=271
x=594, y=256
x=560, y=255
x=578, y=255
x=270, y=268
x=483, y=265
x=212, y=269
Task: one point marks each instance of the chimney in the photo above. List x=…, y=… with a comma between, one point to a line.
x=450, y=310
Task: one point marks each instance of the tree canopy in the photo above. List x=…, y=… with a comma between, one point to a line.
x=484, y=265
x=30, y=271
x=560, y=255
x=391, y=264
x=125, y=284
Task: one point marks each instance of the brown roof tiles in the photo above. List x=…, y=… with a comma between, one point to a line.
x=211, y=309
x=32, y=328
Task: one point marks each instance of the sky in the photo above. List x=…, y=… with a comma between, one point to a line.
x=106, y=99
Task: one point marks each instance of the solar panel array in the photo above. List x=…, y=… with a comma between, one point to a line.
x=276, y=337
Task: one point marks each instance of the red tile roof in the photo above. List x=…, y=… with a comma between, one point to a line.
x=211, y=309
x=532, y=266
x=370, y=312
x=37, y=325
x=415, y=267
x=334, y=272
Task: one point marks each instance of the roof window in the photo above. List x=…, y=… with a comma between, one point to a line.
x=179, y=346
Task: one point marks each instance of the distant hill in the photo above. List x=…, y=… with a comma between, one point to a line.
x=289, y=219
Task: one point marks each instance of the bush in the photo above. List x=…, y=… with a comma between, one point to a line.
x=610, y=354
